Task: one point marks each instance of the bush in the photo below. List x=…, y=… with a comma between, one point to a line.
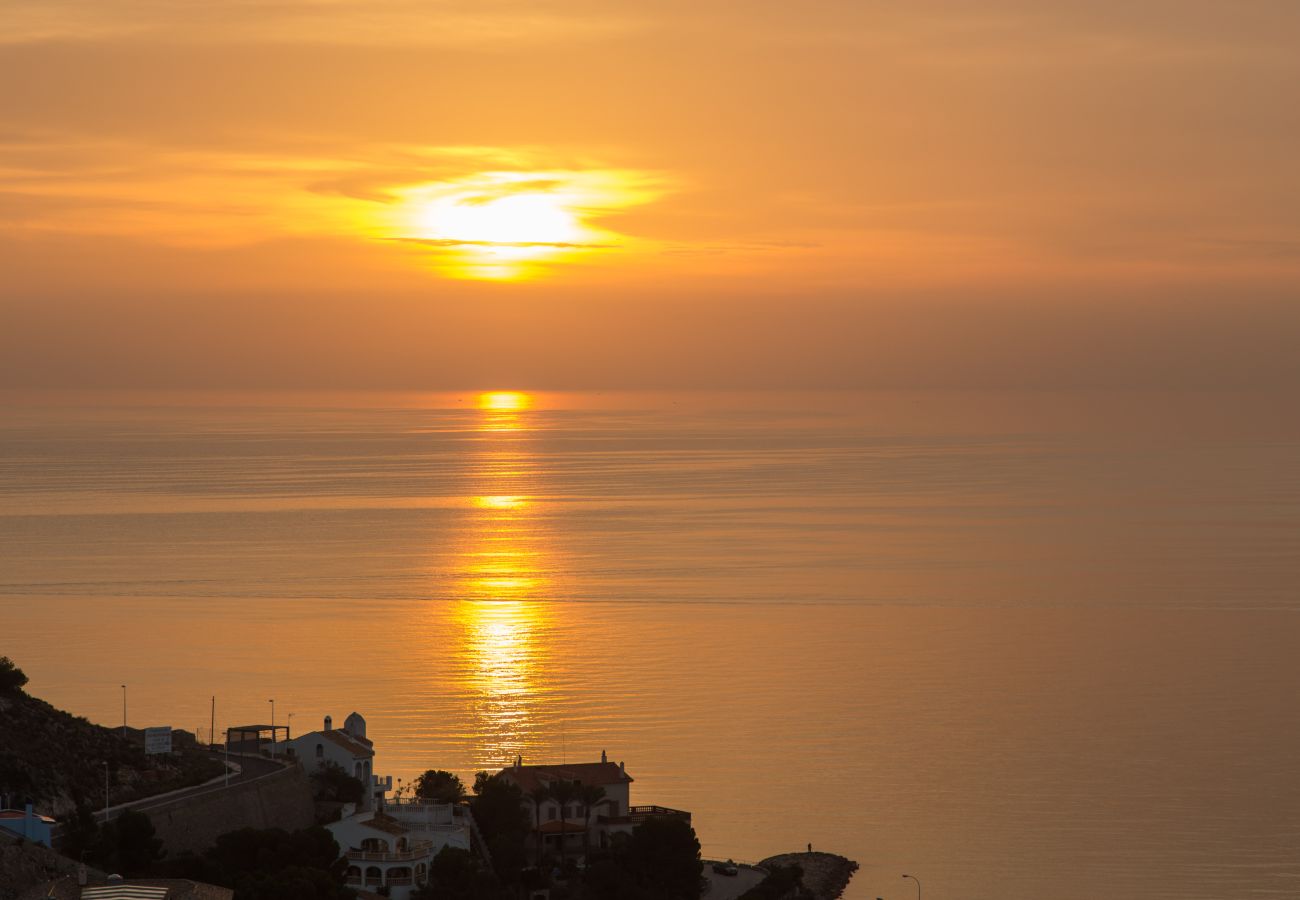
x=439, y=786
x=332, y=784
x=12, y=678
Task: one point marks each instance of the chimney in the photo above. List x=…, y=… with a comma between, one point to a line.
x=519, y=761
x=329, y=723
x=622, y=768
x=603, y=758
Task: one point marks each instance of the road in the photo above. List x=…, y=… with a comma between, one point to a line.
x=251, y=768
x=728, y=887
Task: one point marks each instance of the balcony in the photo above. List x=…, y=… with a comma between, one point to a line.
x=417, y=850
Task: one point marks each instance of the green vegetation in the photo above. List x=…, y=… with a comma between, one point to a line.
x=498, y=812
x=439, y=786
x=271, y=864
x=127, y=845
x=12, y=678
x=459, y=875
x=330, y=783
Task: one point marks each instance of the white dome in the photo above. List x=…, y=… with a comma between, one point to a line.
x=355, y=725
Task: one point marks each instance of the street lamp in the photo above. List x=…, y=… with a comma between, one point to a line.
x=918, y=885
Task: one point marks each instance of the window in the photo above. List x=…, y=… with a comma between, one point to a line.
x=550, y=812
x=320, y=751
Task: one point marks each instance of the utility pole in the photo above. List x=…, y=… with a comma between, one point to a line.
x=124, y=710
x=272, y=702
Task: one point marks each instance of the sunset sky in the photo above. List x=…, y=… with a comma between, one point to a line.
x=585, y=193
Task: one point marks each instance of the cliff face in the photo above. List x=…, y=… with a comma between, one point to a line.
x=57, y=760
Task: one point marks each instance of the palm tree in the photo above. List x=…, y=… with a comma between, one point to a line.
x=589, y=795
x=564, y=793
x=539, y=795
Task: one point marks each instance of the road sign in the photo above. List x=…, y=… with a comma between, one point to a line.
x=158, y=740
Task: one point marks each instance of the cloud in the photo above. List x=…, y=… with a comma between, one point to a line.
x=339, y=22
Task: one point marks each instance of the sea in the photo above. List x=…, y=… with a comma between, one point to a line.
x=1018, y=644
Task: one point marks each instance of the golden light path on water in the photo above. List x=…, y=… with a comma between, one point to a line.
x=497, y=613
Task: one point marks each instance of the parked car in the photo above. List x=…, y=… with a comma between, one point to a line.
x=726, y=868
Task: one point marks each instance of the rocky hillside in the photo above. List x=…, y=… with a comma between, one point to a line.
x=24, y=865
x=57, y=759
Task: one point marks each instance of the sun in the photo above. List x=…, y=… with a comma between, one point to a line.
x=504, y=401
x=517, y=226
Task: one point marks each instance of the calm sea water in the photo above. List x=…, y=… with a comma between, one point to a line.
x=1020, y=646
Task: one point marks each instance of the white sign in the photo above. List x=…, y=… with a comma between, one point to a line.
x=158, y=740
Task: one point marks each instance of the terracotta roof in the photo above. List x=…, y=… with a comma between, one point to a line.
x=346, y=741
x=385, y=823
x=530, y=777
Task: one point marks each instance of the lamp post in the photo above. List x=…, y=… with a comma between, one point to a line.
x=123, y=709
x=288, y=731
x=918, y=885
x=272, y=702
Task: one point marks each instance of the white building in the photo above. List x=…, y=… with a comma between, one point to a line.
x=563, y=819
x=386, y=843
x=347, y=747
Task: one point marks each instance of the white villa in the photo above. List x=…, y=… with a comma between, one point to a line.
x=394, y=847
x=566, y=825
x=387, y=843
x=347, y=747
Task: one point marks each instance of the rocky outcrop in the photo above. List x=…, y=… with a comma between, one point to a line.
x=826, y=875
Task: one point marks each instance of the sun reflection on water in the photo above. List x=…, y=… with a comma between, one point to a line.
x=499, y=614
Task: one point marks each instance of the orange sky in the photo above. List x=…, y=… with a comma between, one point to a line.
x=435, y=193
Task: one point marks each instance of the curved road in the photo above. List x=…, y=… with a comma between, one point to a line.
x=251, y=768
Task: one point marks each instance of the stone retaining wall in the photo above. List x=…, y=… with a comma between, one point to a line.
x=192, y=824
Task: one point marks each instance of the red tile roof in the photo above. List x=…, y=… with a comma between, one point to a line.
x=530, y=777
x=346, y=741
x=385, y=823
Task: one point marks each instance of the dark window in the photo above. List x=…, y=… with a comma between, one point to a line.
x=320, y=751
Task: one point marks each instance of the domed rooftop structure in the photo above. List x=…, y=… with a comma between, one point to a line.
x=355, y=725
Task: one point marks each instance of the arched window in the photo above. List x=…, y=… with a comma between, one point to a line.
x=320, y=751
x=374, y=876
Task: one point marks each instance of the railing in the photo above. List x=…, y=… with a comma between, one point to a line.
x=638, y=814
x=415, y=851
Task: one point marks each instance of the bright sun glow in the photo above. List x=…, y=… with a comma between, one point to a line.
x=504, y=401
x=517, y=226
x=512, y=225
